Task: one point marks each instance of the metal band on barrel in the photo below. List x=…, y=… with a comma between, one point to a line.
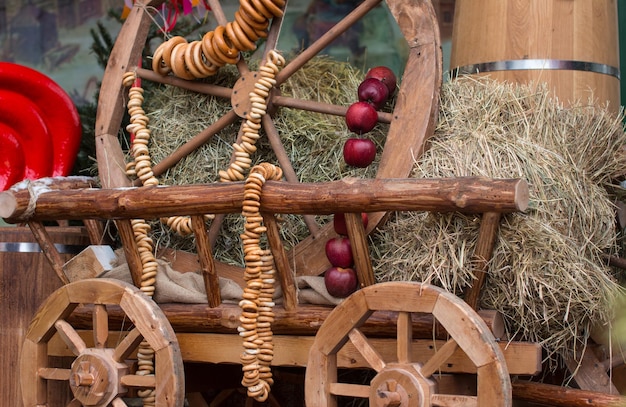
x=537, y=64
x=30, y=247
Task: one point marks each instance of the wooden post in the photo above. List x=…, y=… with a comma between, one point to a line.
x=360, y=249
x=487, y=234
x=209, y=274
x=281, y=263
x=48, y=249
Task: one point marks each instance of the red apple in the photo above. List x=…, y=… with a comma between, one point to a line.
x=339, y=252
x=359, y=152
x=385, y=75
x=340, y=282
x=373, y=91
x=339, y=223
x=361, y=117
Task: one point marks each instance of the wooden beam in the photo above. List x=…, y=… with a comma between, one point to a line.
x=465, y=194
x=198, y=318
x=558, y=396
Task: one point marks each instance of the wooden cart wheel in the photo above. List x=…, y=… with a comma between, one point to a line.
x=402, y=382
x=416, y=104
x=100, y=375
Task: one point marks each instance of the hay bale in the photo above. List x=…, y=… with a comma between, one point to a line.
x=547, y=275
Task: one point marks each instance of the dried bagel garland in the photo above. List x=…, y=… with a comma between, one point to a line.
x=141, y=164
x=141, y=167
x=252, y=125
x=202, y=58
x=257, y=304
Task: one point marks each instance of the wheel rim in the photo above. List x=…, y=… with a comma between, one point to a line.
x=404, y=381
x=99, y=375
x=423, y=79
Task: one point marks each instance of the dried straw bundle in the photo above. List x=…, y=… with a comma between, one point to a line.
x=547, y=275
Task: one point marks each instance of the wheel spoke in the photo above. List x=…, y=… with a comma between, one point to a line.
x=404, y=337
x=70, y=337
x=452, y=400
x=53, y=373
x=199, y=87
x=350, y=390
x=440, y=357
x=100, y=326
x=370, y=354
x=133, y=380
x=198, y=140
x=126, y=347
x=285, y=164
x=325, y=40
x=218, y=12
x=273, y=35
x=321, y=107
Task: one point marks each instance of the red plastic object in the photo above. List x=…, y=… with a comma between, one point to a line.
x=40, y=128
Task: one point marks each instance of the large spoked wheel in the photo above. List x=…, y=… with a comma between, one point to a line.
x=402, y=381
x=101, y=375
x=415, y=109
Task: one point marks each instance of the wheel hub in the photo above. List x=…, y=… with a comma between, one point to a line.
x=240, y=99
x=401, y=386
x=95, y=377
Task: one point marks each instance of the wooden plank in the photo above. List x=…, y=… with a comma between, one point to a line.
x=207, y=263
x=521, y=358
x=589, y=373
x=26, y=280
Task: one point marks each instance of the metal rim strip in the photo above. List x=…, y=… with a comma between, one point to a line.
x=30, y=247
x=537, y=64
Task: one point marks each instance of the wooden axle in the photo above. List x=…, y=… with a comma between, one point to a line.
x=199, y=318
x=465, y=194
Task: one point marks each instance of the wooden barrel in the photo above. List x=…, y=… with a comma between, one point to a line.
x=570, y=44
x=26, y=280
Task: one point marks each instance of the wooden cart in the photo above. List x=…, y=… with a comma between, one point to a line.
x=419, y=341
